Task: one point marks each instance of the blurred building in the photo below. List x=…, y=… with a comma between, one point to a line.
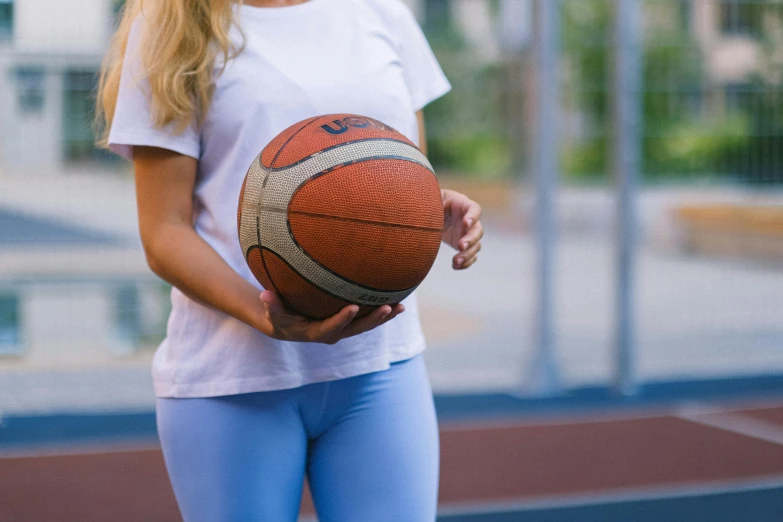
x=74, y=289
x=70, y=294
x=50, y=53
x=57, y=202
x=728, y=31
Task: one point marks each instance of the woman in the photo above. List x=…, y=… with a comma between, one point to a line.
x=252, y=397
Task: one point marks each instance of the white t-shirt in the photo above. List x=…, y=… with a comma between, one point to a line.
x=365, y=57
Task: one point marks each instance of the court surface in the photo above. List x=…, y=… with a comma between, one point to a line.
x=687, y=461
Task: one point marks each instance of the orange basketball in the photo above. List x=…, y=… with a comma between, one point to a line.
x=340, y=209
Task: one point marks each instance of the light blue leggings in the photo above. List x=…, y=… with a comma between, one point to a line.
x=368, y=444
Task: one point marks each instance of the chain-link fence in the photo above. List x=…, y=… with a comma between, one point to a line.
x=711, y=96
x=710, y=210
x=709, y=285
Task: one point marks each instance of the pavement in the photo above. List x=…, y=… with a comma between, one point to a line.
x=696, y=317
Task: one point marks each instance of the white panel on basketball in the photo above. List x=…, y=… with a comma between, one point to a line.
x=270, y=204
x=248, y=233
x=282, y=183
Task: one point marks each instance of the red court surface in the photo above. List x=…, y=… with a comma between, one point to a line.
x=772, y=415
x=522, y=460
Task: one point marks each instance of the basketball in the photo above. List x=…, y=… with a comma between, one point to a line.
x=340, y=209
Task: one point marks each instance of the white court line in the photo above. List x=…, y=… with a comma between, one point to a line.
x=729, y=406
x=566, y=419
x=615, y=496
x=653, y=411
x=697, y=489
x=734, y=423
x=80, y=448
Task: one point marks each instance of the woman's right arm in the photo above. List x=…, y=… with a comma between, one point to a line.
x=176, y=253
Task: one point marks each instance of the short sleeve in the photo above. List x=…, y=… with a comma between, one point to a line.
x=423, y=74
x=132, y=123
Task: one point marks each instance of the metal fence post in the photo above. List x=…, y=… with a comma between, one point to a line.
x=627, y=116
x=544, y=378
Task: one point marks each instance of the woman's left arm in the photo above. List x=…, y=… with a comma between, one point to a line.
x=462, y=228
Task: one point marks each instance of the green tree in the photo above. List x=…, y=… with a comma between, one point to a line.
x=465, y=130
x=678, y=140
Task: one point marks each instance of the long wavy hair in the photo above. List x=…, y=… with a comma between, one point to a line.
x=178, y=50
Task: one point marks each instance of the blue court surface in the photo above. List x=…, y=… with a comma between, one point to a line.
x=762, y=502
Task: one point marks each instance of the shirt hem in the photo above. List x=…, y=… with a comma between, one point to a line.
x=282, y=382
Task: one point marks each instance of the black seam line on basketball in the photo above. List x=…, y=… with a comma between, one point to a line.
x=296, y=243
x=269, y=275
x=345, y=164
x=251, y=247
x=411, y=289
x=274, y=169
x=338, y=276
x=362, y=160
x=263, y=262
x=294, y=270
x=283, y=146
x=359, y=220
x=261, y=249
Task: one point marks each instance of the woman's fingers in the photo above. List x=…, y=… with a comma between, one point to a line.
x=377, y=317
x=368, y=322
x=469, y=262
x=290, y=325
x=466, y=258
x=274, y=306
x=462, y=220
x=472, y=214
x=294, y=327
x=473, y=236
x=382, y=314
x=396, y=310
x=327, y=328
x=277, y=310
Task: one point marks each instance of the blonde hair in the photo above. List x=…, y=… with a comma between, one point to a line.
x=182, y=40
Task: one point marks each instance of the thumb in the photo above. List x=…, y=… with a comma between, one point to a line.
x=271, y=300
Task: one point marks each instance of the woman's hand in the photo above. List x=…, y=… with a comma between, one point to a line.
x=290, y=326
x=462, y=228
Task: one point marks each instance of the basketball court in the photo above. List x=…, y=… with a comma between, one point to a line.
x=645, y=325
x=691, y=456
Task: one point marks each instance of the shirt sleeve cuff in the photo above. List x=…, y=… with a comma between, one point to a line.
x=430, y=93
x=122, y=143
